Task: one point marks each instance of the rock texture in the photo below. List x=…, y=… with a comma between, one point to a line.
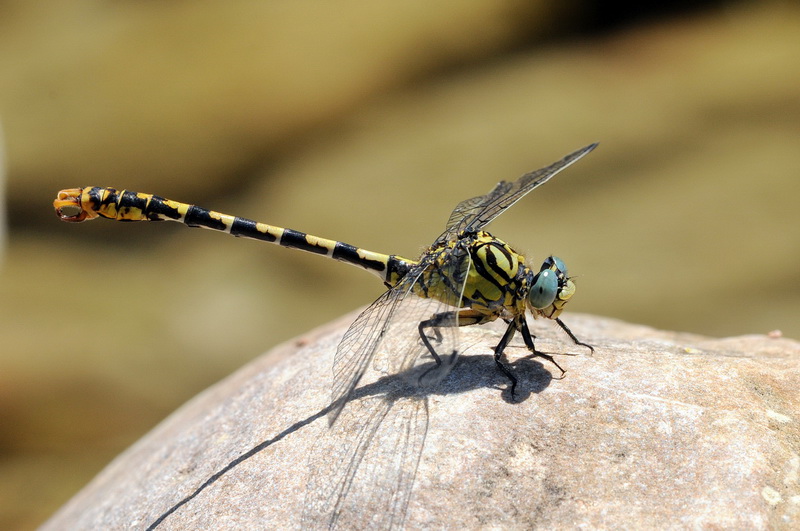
x=656, y=429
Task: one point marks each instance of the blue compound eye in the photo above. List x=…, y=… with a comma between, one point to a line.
x=562, y=267
x=556, y=264
x=544, y=289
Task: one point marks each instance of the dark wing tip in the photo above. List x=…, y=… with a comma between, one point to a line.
x=587, y=149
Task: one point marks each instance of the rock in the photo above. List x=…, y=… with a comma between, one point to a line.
x=655, y=429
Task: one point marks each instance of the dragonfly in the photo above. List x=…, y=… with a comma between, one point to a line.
x=471, y=276
x=466, y=277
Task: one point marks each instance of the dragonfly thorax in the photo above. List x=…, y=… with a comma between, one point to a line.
x=484, y=273
x=497, y=279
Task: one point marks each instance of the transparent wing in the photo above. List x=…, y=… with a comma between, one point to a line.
x=358, y=346
x=363, y=468
x=388, y=330
x=475, y=213
x=463, y=209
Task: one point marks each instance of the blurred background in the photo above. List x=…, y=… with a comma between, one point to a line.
x=365, y=122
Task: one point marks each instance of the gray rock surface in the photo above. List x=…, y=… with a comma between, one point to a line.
x=657, y=429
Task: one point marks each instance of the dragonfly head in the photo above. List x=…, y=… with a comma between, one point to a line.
x=551, y=288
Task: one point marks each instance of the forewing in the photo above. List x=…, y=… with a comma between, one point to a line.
x=468, y=206
x=474, y=214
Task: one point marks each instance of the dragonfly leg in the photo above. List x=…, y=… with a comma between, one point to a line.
x=437, y=321
x=498, y=355
x=528, y=338
x=447, y=319
x=566, y=329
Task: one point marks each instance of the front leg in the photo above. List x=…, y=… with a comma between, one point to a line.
x=528, y=338
x=566, y=329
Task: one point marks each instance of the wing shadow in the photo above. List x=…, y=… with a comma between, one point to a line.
x=389, y=400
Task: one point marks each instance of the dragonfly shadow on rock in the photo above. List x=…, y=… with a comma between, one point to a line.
x=362, y=469
x=477, y=371
x=377, y=440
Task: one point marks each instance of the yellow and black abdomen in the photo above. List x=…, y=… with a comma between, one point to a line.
x=80, y=204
